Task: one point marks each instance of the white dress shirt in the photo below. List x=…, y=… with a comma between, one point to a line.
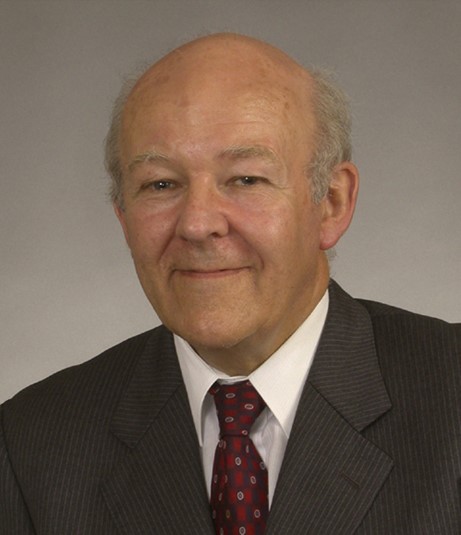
x=279, y=381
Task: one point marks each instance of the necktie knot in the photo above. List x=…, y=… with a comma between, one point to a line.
x=238, y=405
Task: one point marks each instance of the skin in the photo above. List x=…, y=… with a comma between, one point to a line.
x=217, y=209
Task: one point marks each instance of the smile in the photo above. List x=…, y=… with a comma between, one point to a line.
x=210, y=273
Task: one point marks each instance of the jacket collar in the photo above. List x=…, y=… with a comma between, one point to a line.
x=159, y=486
x=331, y=474
x=346, y=370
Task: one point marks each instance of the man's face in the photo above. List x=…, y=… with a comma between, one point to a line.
x=218, y=211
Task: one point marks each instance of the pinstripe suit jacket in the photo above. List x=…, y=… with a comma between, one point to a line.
x=109, y=447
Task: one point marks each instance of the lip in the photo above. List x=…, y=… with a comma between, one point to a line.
x=210, y=273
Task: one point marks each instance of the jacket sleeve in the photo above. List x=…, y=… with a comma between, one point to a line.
x=14, y=516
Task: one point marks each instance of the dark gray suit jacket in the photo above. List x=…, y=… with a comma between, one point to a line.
x=109, y=447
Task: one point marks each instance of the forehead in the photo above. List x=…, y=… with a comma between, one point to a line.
x=194, y=95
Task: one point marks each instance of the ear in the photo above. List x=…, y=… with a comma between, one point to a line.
x=120, y=213
x=339, y=204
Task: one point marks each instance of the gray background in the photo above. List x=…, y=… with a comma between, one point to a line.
x=67, y=286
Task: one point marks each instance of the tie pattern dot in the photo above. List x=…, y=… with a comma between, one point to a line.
x=239, y=502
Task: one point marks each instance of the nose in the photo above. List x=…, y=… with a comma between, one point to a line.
x=202, y=214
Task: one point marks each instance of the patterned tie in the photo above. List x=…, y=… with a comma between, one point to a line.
x=239, y=501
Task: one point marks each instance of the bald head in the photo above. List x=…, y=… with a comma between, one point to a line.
x=211, y=72
x=218, y=68
x=226, y=56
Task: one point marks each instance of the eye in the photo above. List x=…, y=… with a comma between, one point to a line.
x=248, y=180
x=159, y=185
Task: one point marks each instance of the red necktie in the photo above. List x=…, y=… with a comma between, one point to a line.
x=239, y=501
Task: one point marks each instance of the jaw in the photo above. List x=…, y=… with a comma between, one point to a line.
x=227, y=320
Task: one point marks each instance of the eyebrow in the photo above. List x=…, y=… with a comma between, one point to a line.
x=253, y=151
x=151, y=156
x=235, y=152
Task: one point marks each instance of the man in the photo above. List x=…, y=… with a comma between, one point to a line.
x=231, y=179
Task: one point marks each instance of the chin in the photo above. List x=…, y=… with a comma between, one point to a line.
x=209, y=335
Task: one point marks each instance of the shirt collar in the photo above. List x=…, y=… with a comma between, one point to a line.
x=279, y=380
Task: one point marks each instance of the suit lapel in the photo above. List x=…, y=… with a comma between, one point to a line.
x=159, y=486
x=331, y=474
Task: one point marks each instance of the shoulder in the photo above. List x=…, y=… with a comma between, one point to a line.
x=415, y=352
x=93, y=385
x=416, y=347
x=389, y=320
x=396, y=325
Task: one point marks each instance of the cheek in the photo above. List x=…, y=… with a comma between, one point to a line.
x=147, y=234
x=290, y=240
x=284, y=222
x=270, y=234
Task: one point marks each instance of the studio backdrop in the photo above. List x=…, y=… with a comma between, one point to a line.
x=68, y=289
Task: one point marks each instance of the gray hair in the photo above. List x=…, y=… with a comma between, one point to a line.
x=112, y=143
x=332, y=137
x=333, y=132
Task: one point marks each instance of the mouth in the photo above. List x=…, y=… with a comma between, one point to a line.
x=210, y=273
